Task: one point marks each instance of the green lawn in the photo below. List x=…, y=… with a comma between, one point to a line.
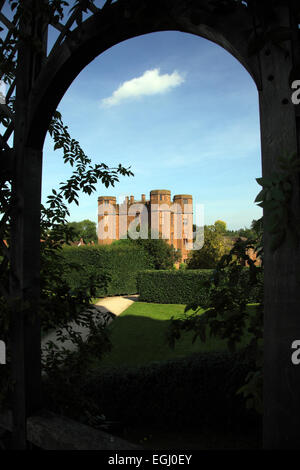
x=138, y=336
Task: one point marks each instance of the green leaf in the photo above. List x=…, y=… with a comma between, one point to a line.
x=58, y=145
x=260, y=181
x=261, y=195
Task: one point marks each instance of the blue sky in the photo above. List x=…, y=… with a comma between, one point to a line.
x=178, y=109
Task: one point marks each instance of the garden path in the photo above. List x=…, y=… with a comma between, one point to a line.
x=117, y=305
x=109, y=306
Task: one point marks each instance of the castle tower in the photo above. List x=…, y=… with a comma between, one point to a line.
x=160, y=201
x=185, y=203
x=108, y=220
x=170, y=220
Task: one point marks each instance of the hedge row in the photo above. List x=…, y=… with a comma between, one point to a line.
x=121, y=263
x=199, y=390
x=174, y=287
x=185, y=286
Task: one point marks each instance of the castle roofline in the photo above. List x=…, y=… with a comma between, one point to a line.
x=107, y=198
x=160, y=191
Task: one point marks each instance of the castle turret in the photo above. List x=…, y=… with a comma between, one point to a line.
x=108, y=211
x=185, y=221
x=159, y=196
x=160, y=200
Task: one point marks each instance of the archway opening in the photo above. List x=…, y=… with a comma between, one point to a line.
x=127, y=130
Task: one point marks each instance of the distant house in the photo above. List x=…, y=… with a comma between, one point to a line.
x=81, y=243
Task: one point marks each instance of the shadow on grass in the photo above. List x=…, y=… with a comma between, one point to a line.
x=138, y=340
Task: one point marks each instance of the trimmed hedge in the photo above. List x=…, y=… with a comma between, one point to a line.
x=199, y=390
x=121, y=263
x=184, y=286
x=174, y=287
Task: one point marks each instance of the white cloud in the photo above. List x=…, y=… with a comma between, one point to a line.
x=150, y=83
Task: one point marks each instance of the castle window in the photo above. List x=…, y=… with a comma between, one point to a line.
x=185, y=201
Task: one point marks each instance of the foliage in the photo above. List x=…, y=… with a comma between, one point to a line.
x=119, y=264
x=64, y=366
x=220, y=226
x=195, y=391
x=60, y=304
x=85, y=229
x=173, y=287
x=184, y=286
x=96, y=343
x=246, y=233
x=226, y=314
x=212, y=251
x=276, y=197
x=57, y=303
x=252, y=232
x=162, y=255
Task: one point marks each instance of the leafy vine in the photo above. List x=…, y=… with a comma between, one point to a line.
x=55, y=296
x=276, y=197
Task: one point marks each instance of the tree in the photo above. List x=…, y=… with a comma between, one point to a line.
x=246, y=232
x=257, y=226
x=221, y=226
x=212, y=251
x=85, y=229
x=162, y=255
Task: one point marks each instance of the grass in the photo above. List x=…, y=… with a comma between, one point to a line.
x=138, y=336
